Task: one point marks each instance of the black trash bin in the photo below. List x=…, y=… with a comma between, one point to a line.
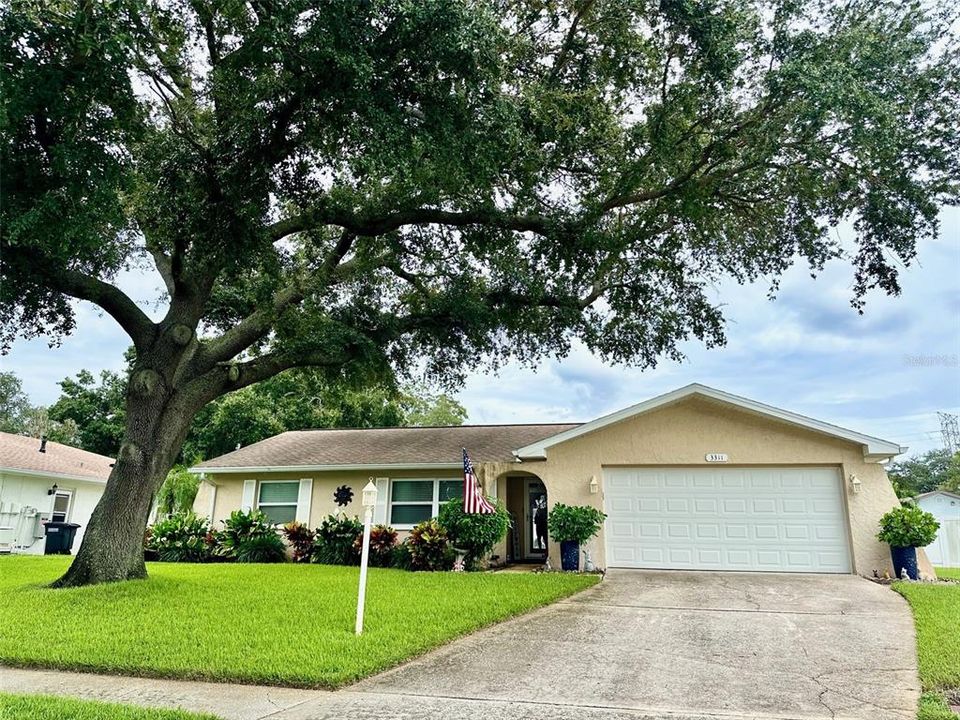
x=60, y=537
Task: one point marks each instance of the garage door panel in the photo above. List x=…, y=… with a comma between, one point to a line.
x=772, y=519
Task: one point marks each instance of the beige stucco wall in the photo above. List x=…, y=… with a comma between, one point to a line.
x=682, y=434
x=679, y=434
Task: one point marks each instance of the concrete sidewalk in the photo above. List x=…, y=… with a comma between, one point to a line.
x=641, y=645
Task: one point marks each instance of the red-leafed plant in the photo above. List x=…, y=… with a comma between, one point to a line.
x=301, y=539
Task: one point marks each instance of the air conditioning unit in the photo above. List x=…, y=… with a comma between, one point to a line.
x=6, y=540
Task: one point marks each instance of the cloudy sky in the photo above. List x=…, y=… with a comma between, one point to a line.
x=885, y=373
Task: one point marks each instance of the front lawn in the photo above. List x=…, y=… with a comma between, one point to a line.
x=948, y=573
x=274, y=624
x=936, y=607
x=48, y=707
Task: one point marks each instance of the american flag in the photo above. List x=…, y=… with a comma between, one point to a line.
x=473, y=500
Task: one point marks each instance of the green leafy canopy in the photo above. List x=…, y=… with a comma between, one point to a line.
x=388, y=187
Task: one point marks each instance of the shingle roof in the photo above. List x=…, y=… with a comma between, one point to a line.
x=18, y=452
x=386, y=446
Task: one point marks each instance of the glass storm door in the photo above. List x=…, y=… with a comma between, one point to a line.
x=536, y=520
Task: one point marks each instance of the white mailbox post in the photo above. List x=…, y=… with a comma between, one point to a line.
x=369, y=502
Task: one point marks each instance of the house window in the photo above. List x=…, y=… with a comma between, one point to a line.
x=413, y=501
x=278, y=500
x=61, y=506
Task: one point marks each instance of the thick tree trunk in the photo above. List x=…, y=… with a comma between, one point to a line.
x=112, y=547
x=158, y=420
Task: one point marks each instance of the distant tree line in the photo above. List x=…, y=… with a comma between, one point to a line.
x=933, y=470
x=90, y=413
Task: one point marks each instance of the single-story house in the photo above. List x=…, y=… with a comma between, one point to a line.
x=945, y=507
x=696, y=478
x=42, y=481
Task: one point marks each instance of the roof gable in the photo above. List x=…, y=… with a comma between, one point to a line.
x=874, y=449
x=923, y=496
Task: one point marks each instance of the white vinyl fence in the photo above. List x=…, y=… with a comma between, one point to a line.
x=945, y=550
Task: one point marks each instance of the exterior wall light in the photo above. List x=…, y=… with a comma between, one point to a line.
x=855, y=484
x=594, y=485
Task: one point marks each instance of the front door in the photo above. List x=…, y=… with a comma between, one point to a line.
x=61, y=506
x=535, y=520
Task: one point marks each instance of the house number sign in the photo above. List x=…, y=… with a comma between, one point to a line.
x=716, y=457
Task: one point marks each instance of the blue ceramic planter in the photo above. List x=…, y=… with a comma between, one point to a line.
x=570, y=555
x=905, y=558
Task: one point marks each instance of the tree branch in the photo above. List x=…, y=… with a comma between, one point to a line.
x=114, y=301
x=324, y=215
x=256, y=325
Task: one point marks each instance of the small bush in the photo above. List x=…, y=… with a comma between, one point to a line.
x=301, y=539
x=908, y=526
x=182, y=537
x=400, y=557
x=429, y=547
x=261, y=549
x=383, y=539
x=474, y=532
x=578, y=523
x=251, y=528
x=335, y=542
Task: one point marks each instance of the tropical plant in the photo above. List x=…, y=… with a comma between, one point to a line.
x=336, y=541
x=267, y=548
x=400, y=556
x=576, y=523
x=301, y=540
x=429, y=547
x=182, y=537
x=476, y=533
x=383, y=539
x=240, y=527
x=908, y=526
x=362, y=187
x=178, y=491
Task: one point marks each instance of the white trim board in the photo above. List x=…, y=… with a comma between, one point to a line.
x=874, y=449
x=323, y=468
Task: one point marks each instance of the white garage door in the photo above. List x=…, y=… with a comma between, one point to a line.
x=773, y=519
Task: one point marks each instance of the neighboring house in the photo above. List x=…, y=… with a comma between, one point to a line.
x=945, y=507
x=693, y=479
x=42, y=481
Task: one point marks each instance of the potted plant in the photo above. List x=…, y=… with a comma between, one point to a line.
x=905, y=529
x=572, y=525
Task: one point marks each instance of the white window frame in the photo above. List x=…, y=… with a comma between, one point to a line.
x=295, y=503
x=53, y=504
x=434, y=502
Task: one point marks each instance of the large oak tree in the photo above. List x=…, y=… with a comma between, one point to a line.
x=364, y=185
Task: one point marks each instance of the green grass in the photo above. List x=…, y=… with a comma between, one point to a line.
x=274, y=624
x=948, y=573
x=48, y=707
x=936, y=607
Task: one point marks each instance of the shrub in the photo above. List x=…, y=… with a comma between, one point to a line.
x=429, y=547
x=400, y=557
x=178, y=491
x=476, y=533
x=578, y=523
x=301, y=539
x=908, y=526
x=244, y=527
x=382, y=541
x=261, y=549
x=181, y=537
x=335, y=542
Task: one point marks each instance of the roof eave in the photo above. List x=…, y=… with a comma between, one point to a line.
x=874, y=449
x=237, y=469
x=53, y=475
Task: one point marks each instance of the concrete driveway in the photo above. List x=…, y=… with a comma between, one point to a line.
x=684, y=644
x=642, y=644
